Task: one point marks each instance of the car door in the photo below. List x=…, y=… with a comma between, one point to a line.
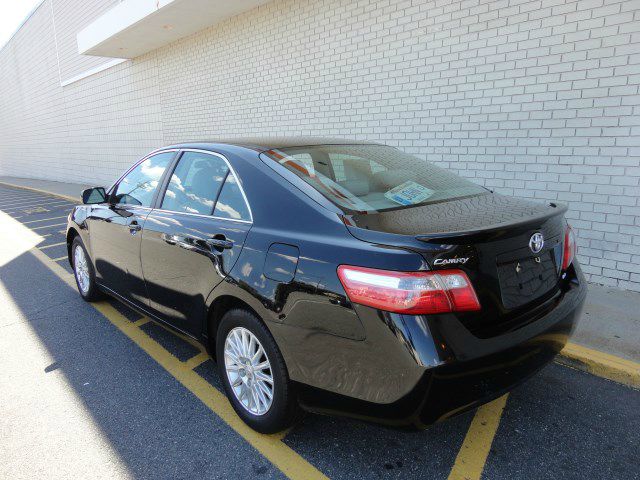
x=194, y=237
x=115, y=227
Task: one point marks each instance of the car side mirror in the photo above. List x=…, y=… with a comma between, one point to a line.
x=94, y=195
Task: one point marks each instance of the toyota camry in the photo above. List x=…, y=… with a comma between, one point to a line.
x=334, y=276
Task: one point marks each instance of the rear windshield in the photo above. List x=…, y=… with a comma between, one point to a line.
x=372, y=178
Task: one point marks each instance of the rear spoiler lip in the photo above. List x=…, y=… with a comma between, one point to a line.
x=490, y=231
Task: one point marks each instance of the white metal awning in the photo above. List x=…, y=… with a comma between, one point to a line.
x=135, y=27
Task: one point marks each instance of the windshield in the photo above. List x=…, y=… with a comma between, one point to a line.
x=372, y=178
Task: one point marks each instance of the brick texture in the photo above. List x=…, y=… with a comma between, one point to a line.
x=537, y=99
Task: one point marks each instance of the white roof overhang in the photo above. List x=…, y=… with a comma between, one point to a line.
x=135, y=27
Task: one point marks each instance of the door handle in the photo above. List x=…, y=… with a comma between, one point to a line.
x=219, y=243
x=134, y=227
x=170, y=239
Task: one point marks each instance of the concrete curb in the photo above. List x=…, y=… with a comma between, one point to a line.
x=39, y=190
x=601, y=364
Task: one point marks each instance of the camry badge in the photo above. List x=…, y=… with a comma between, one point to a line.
x=451, y=261
x=536, y=242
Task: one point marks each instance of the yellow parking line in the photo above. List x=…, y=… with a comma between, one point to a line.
x=31, y=203
x=20, y=195
x=8, y=200
x=475, y=448
x=19, y=202
x=196, y=360
x=52, y=245
x=41, y=191
x=181, y=336
x=43, y=219
x=29, y=209
x=60, y=258
x=281, y=435
x=48, y=226
x=26, y=201
x=281, y=455
x=142, y=321
x=33, y=211
x=601, y=364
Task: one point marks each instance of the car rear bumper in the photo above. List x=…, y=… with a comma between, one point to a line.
x=454, y=370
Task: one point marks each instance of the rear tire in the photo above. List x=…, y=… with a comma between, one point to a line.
x=84, y=272
x=251, y=366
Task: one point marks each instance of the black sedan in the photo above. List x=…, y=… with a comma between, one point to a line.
x=334, y=276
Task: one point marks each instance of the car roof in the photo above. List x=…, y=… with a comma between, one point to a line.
x=262, y=144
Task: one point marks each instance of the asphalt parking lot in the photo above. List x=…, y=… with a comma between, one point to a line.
x=96, y=390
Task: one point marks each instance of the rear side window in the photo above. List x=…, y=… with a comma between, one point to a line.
x=139, y=186
x=231, y=203
x=195, y=183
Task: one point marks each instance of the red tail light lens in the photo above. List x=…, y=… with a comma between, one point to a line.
x=570, y=248
x=409, y=292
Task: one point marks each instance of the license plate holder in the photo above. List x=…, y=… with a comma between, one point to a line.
x=525, y=279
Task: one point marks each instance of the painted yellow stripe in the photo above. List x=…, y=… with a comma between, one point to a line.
x=44, y=220
x=24, y=203
x=52, y=245
x=39, y=190
x=43, y=205
x=20, y=201
x=271, y=446
x=142, y=321
x=60, y=258
x=601, y=364
x=32, y=202
x=472, y=456
x=18, y=196
x=48, y=226
x=183, y=337
x=196, y=360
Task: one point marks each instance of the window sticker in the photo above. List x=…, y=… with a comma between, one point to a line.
x=409, y=193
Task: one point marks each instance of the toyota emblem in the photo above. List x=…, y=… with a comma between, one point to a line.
x=536, y=242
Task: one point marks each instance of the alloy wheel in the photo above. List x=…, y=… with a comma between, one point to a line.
x=249, y=371
x=81, y=269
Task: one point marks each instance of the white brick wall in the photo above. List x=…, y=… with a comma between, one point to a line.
x=71, y=16
x=537, y=99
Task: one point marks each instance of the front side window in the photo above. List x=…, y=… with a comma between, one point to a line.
x=372, y=178
x=139, y=186
x=195, y=183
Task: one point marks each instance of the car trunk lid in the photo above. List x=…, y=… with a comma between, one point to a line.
x=490, y=238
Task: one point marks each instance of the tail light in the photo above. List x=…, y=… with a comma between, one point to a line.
x=570, y=248
x=409, y=292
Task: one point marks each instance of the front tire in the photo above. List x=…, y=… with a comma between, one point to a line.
x=83, y=271
x=254, y=374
